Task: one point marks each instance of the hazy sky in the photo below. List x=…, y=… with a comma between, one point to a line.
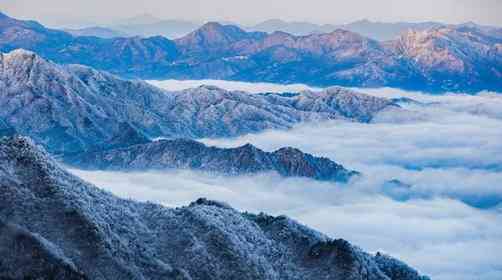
x=320, y=11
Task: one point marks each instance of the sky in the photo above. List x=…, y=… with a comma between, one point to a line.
x=60, y=12
x=447, y=223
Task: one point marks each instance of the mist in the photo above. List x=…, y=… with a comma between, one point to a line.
x=176, y=85
x=446, y=219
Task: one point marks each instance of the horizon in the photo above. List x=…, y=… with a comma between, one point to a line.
x=58, y=13
x=126, y=22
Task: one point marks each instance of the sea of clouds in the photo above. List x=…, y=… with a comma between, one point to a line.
x=446, y=217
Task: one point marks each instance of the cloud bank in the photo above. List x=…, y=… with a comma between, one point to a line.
x=446, y=220
x=175, y=85
x=441, y=237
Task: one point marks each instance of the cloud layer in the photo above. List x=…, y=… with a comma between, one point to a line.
x=441, y=237
x=446, y=220
x=230, y=85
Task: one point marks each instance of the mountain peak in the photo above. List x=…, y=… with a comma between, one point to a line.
x=213, y=28
x=214, y=35
x=211, y=25
x=362, y=21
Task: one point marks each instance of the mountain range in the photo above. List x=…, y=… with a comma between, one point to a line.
x=54, y=225
x=74, y=108
x=462, y=58
x=189, y=154
x=381, y=31
x=147, y=25
x=447, y=58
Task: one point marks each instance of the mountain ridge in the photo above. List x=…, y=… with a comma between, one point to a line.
x=99, y=236
x=343, y=58
x=73, y=108
x=189, y=154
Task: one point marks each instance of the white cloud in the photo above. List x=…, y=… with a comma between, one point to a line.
x=175, y=85
x=449, y=151
x=441, y=237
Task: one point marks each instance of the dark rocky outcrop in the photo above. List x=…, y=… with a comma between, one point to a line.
x=189, y=154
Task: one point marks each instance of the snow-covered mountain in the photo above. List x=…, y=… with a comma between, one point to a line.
x=52, y=224
x=462, y=56
x=74, y=108
x=189, y=154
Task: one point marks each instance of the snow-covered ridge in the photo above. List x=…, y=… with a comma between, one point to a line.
x=74, y=108
x=83, y=232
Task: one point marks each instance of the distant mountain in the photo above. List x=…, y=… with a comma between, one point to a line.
x=137, y=20
x=456, y=58
x=167, y=28
x=54, y=225
x=146, y=55
x=461, y=57
x=385, y=31
x=451, y=58
x=382, y=31
x=340, y=57
x=97, y=31
x=298, y=28
x=215, y=40
x=74, y=108
x=189, y=154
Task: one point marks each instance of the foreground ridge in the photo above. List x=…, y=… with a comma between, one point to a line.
x=77, y=231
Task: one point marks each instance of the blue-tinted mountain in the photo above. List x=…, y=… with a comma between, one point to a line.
x=446, y=58
x=54, y=225
x=381, y=31
x=189, y=154
x=455, y=58
x=73, y=108
x=139, y=55
x=386, y=31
